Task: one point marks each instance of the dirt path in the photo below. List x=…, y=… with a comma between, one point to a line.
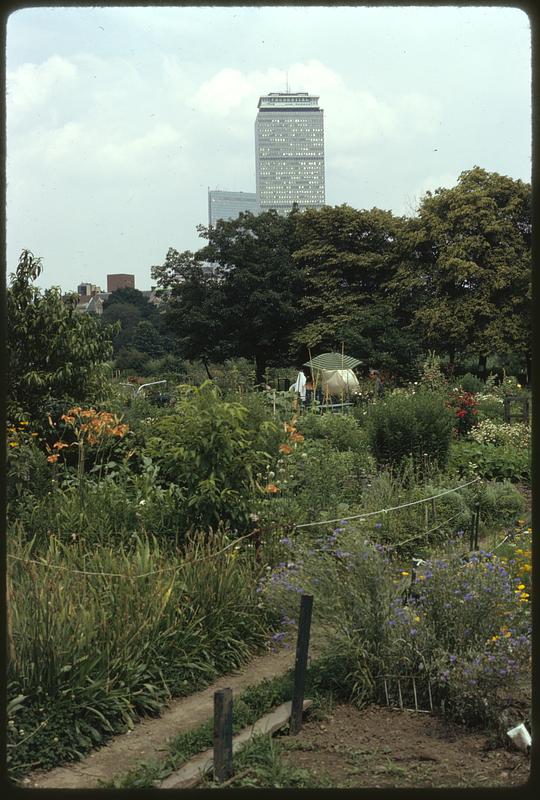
x=382, y=748
x=150, y=736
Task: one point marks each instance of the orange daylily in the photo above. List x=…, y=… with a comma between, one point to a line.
x=53, y=459
x=285, y=449
x=271, y=488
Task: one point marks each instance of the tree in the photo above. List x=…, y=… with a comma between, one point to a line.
x=249, y=306
x=348, y=258
x=470, y=269
x=53, y=353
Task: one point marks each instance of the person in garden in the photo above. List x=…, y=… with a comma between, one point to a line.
x=378, y=382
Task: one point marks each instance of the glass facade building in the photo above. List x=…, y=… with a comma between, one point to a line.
x=289, y=152
x=228, y=205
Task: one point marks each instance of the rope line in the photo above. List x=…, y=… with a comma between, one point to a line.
x=122, y=575
x=386, y=510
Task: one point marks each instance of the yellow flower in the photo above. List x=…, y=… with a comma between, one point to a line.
x=404, y=573
x=494, y=638
x=23, y=423
x=417, y=619
x=13, y=444
x=526, y=567
x=521, y=586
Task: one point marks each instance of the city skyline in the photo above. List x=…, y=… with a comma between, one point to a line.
x=118, y=119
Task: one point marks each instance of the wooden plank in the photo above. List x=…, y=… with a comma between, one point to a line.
x=194, y=770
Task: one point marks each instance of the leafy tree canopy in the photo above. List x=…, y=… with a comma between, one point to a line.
x=470, y=266
x=53, y=353
x=249, y=306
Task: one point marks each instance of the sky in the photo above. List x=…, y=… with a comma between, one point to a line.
x=119, y=119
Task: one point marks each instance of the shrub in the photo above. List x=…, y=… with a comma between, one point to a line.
x=471, y=383
x=403, y=426
x=490, y=462
x=516, y=434
x=341, y=431
x=463, y=406
x=205, y=448
x=490, y=407
x=500, y=503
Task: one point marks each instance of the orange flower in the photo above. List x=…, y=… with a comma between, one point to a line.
x=285, y=448
x=60, y=445
x=297, y=437
x=271, y=488
x=53, y=459
x=90, y=412
x=67, y=418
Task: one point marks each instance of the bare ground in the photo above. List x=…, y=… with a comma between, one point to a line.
x=382, y=747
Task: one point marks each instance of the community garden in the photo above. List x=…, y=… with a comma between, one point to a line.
x=152, y=549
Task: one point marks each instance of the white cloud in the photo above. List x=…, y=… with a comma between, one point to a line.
x=32, y=85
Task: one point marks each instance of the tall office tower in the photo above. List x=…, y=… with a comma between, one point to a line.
x=228, y=205
x=289, y=152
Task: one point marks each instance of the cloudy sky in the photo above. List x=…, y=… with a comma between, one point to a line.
x=119, y=119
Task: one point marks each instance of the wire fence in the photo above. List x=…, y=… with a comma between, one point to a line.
x=250, y=535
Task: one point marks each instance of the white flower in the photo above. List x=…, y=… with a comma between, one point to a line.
x=142, y=502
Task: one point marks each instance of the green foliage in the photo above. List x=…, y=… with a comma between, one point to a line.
x=347, y=258
x=490, y=407
x=248, y=307
x=341, y=431
x=53, y=353
x=418, y=426
x=490, y=462
x=469, y=277
x=205, y=449
x=132, y=359
x=471, y=383
x=97, y=645
x=432, y=378
x=500, y=503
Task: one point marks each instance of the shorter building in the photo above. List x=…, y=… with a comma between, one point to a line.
x=91, y=305
x=120, y=281
x=88, y=290
x=228, y=205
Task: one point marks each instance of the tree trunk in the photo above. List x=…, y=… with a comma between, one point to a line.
x=482, y=366
x=260, y=368
x=528, y=368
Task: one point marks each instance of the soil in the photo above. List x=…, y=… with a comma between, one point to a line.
x=382, y=748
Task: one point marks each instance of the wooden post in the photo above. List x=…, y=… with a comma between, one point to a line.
x=300, y=664
x=476, y=525
x=223, y=765
x=506, y=408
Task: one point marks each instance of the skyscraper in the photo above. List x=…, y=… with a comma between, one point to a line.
x=289, y=151
x=228, y=205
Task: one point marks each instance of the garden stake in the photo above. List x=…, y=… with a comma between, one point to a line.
x=476, y=525
x=300, y=664
x=223, y=765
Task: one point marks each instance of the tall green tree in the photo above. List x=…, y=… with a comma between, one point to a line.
x=347, y=258
x=53, y=353
x=249, y=306
x=470, y=267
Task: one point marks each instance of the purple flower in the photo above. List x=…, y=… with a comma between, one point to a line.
x=453, y=658
x=285, y=540
x=378, y=524
x=468, y=596
x=277, y=637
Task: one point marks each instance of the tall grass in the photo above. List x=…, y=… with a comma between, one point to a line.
x=88, y=629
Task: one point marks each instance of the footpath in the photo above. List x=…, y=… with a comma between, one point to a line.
x=150, y=736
